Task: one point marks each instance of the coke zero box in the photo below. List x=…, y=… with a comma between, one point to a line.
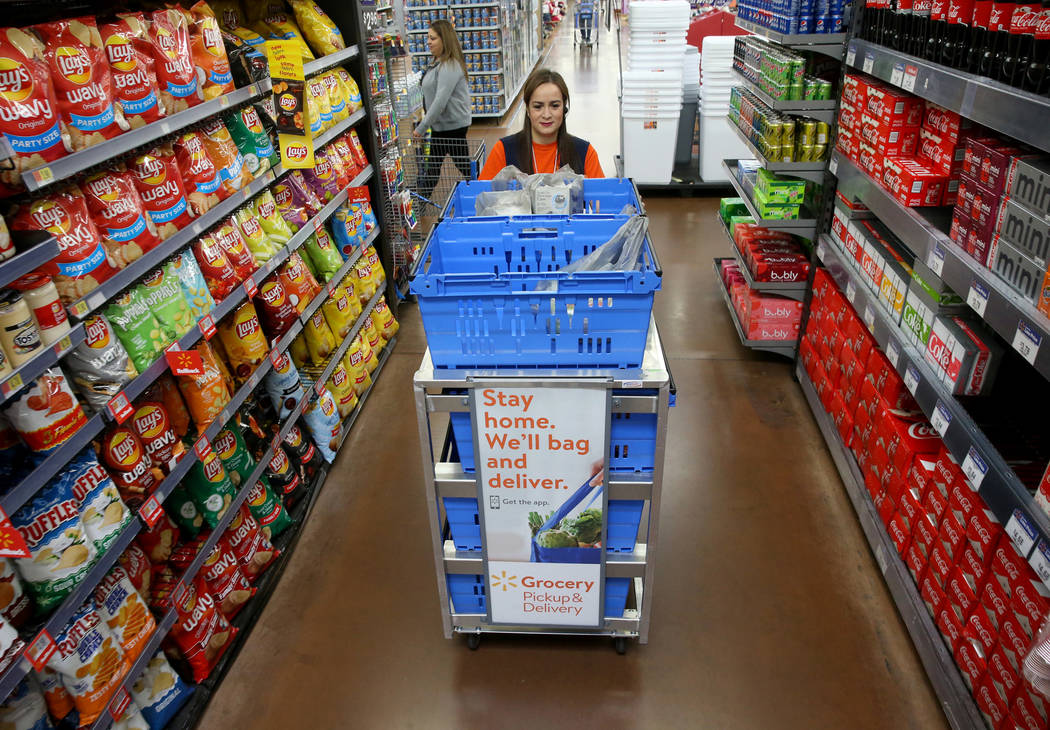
x=1020, y=271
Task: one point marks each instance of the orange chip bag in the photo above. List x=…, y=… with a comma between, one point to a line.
x=165, y=391
x=244, y=341
x=59, y=702
x=224, y=153
x=228, y=236
x=300, y=284
x=83, y=83
x=206, y=394
x=120, y=215
x=127, y=46
x=201, y=632
x=202, y=176
x=209, y=52
x=124, y=612
x=169, y=37
x=29, y=115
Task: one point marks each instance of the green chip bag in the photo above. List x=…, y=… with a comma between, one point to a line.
x=194, y=287
x=137, y=328
x=163, y=292
x=270, y=218
x=211, y=489
x=251, y=139
x=183, y=510
x=323, y=255
x=229, y=445
x=268, y=509
x=261, y=245
x=242, y=137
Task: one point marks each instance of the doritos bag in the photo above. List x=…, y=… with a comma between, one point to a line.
x=176, y=74
x=128, y=51
x=83, y=83
x=120, y=215
x=209, y=53
x=159, y=182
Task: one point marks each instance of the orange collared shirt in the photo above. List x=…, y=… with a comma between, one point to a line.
x=546, y=157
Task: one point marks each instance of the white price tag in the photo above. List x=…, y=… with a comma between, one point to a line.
x=911, y=73
x=869, y=63
x=95, y=300
x=1021, y=532
x=869, y=317
x=974, y=467
x=941, y=419
x=893, y=353
x=833, y=166
x=851, y=56
x=820, y=251
x=851, y=291
x=1027, y=341
x=1040, y=561
x=898, y=74
x=936, y=259
x=911, y=379
x=978, y=297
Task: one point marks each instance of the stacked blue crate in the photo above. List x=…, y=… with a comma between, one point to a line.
x=468, y=594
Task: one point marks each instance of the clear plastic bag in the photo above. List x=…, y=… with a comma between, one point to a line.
x=503, y=202
x=556, y=193
x=620, y=253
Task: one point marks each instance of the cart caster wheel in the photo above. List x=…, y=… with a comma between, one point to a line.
x=620, y=644
x=473, y=641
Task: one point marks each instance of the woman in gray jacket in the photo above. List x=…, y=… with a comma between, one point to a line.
x=446, y=96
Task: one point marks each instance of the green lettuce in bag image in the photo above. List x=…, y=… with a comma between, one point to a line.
x=270, y=219
x=268, y=509
x=229, y=445
x=251, y=139
x=261, y=244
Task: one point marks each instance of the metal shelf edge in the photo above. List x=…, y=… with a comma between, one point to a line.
x=21, y=264
x=312, y=68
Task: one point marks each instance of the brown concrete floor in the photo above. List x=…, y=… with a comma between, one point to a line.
x=768, y=608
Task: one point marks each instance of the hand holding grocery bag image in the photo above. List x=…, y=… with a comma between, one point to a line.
x=561, y=538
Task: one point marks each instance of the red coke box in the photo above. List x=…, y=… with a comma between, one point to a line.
x=952, y=536
x=940, y=565
x=996, y=601
x=975, y=570
x=899, y=533
x=912, y=183
x=947, y=470
x=870, y=160
x=886, y=506
x=981, y=628
x=895, y=141
x=948, y=624
x=843, y=420
x=847, y=143
x=933, y=595
x=970, y=659
x=855, y=90
x=944, y=154
x=910, y=508
x=960, y=595
x=983, y=532
x=1008, y=567
x=895, y=489
x=963, y=502
x=1005, y=677
x=849, y=117
x=936, y=505
x=924, y=535
x=1031, y=602
x=893, y=108
x=991, y=703
x=1014, y=642
x=916, y=563
x=918, y=437
x=922, y=473
x=1029, y=710
x=944, y=122
x=952, y=188
x=874, y=487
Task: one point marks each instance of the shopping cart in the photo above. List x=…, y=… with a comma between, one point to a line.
x=585, y=24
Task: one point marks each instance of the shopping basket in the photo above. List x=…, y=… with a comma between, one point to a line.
x=567, y=554
x=600, y=195
x=476, y=283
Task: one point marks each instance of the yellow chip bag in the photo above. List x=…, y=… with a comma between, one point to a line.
x=341, y=388
x=228, y=13
x=375, y=340
x=243, y=339
x=314, y=119
x=270, y=218
x=376, y=267
x=282, y=27
x=350, y=90
x=300, y=352
x=262, y=247
x=339, y=313
x=336, y=96
x=318, y=28
x=368, y=356
x=366, y=284
x=319, y=338
x=384, y=320
x=355, y=367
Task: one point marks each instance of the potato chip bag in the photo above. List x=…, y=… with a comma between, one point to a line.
x=338, y=313
x=323, y=178
x=224, y=153
x=83, y=83
x=347, y=231
x=90, y=660
x=342, y=174
x=29, y=115
x=120, y=216
x=211, y=489
x=169, y=37
x=226, y=581
x=137, y=328
x=264, y=211
x=24, y=708
x=131, y=718
x=300, y=353
x=15, y=607
x=276, y=308
x=124, y=612
x=300, y=284
x=353, y=103
x=376, y=267
x=221, y=360
x=163, y=192
x=257, y=244
x=366, y=282
x=228, y=236
x=160, y=693
x=229, y=13
x=200, y=631
x=342, y=390
x=341, y=148
x=243, y=339
x=219, y=274
x=323, y=423
x=205, y=395
x=158, y=541
x=319, y=338
x=384, y=320
x=318, y=107
x=61, y=552
x=184, y=513
x=369, y=357
x=202, y=176
x=322, y=253
x=246, y=540
x=102, y=512
x=152, y=425
x=375, y=340
x=251, y=139
x=282, y=27
x=82, y=263
x=236, y=459
x=138, y=567
x=336, y=96
x=164, y=390
x=130, y=56
x=161, y=289
x=59, y=701
x=355, y=368
x=46, y=414
x=267, y=509
x=282, y=474
x=290, y=205
x=306, y=193
x=209, y=53
x=127, y=461
x=284, y=386
x=194, y=288
x=320, y=31
x=99, y=366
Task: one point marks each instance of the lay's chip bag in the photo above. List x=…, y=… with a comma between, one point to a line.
x=320, y=31
x=128, y=51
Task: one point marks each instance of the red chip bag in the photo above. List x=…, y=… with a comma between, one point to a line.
x=300, y=284
x=158, y=541
x=82, y=263
x=342, y=150
x=341, y=173
x=274, y=306
x=227, y=581
x=137, y=565
x=355, y=147
x=200, y=631
x=29, y=115
x=83, y=84
x=128, y=51
x=209, y=52
x=127, y=461
x=228, y=236
x=185, y=553
x=219, y=274
x=120, y=216
x=201, y=176
x=159, y=182
x=246, y=540
x=169, y=37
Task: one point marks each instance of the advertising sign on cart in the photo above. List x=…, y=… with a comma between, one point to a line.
x=541, y=455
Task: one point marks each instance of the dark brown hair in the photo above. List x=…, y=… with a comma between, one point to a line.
x=450, y=48
x=567, y=151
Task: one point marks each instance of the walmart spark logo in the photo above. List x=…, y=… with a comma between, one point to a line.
x=504, y=581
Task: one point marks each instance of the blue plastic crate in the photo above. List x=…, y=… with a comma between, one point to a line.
x=622, y=522
x=468, y=594
x=607, y=195
x=476, y=287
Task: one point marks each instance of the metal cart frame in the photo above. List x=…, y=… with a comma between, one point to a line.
x=446, y=478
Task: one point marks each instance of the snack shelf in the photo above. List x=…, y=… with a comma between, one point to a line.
x=58, y=619
x=325, y=292
x=47, y=357
x=1003, y=309
x=472, y=5
x=986, y=470
x=312, y=68
x=791, y=290
x=1016, y=113
x=830, y=44
x=338, y=353
x=813, y=171
x=340, y=128
x=32, y=258
x=940, y=667
x=778, y=347
x=822, y=109
x=804, y=227
x=104, y=152
x=350, y=420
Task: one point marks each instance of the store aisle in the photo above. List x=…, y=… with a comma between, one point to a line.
x=769, y=610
